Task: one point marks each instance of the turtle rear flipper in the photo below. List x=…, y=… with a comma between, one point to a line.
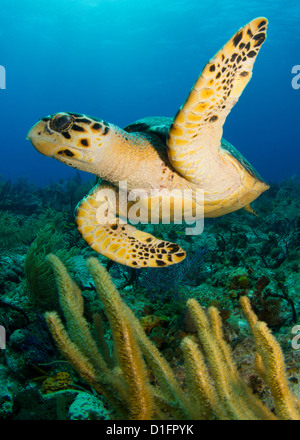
x=120, y=241
x=195, y=135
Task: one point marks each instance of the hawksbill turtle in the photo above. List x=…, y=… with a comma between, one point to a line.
x=183, y=153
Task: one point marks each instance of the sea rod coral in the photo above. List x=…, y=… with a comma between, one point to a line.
x=214, y=387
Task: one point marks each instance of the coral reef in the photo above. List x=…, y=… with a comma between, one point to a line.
x=237, y=255
x=214, y=391
x=60, y=381
x=39, y=277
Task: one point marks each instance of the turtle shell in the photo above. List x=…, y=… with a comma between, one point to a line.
x=238, y=156
x=159, y=126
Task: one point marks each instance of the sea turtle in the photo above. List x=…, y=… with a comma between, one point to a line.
x=162, y=154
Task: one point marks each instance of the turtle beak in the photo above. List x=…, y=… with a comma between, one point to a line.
x=43, y=139
x=38, y=130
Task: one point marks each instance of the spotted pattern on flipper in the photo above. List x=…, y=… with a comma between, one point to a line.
x=122, y=242
x=196, y=132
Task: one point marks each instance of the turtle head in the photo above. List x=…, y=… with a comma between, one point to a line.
x=72, y=138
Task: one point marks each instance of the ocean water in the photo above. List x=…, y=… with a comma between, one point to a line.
x=121, y=60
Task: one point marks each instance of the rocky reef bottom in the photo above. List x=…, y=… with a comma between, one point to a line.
x=236, y=255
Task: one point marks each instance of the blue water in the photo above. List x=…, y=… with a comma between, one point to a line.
x=121, y=60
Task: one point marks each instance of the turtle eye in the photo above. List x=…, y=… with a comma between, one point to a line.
x=61, y=122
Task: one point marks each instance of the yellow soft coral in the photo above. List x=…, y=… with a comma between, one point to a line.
x=215, y=389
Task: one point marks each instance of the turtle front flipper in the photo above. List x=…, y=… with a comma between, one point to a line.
x=107, y=234
x=195, y=134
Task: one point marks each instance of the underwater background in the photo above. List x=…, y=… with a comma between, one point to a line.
x=120, y=61
x=123, y=60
